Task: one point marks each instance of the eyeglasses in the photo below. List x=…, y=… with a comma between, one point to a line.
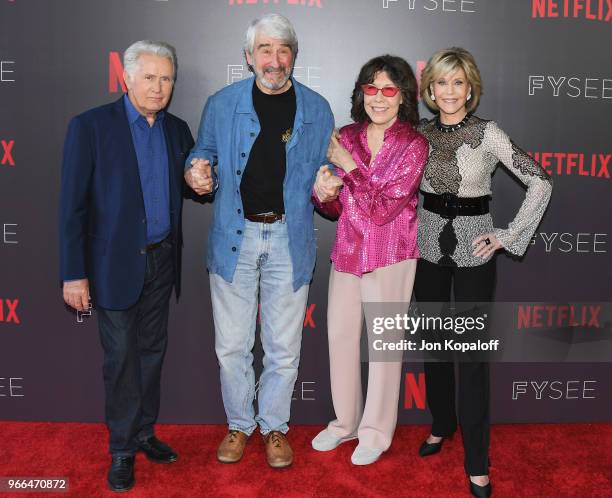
x=387, y=91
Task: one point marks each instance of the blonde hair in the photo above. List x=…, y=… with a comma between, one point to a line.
x=446, y=61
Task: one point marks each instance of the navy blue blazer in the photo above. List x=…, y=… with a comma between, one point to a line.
x=102, y=221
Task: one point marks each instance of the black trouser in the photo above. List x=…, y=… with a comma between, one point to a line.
x=134, y=342
x=476, y=284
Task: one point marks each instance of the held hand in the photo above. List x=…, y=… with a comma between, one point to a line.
x=339, y=155
x=76, y=294
x=327, y=185
x=485, y=250
x=199, y=176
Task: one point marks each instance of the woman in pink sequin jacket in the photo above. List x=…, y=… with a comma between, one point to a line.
x=379, y=162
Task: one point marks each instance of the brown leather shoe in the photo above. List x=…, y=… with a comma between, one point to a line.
x=278, y=450
x=232, y=447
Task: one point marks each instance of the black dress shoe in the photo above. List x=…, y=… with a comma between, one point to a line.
x=428, y=449
x=121, y=473
x=480, y=491
x=157, y=451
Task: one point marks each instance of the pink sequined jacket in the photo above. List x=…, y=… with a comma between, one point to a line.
x=376, y=209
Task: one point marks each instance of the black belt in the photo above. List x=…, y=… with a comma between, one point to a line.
x=264, y=218
x=450, y=206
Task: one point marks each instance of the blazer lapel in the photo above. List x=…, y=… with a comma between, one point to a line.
x=175, y=171
x=124, y=143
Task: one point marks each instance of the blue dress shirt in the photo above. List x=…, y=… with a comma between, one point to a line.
x=152, y=156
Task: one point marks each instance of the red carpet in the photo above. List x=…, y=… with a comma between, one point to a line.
x=527, y=460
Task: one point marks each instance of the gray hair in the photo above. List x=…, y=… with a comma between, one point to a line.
x=136, y=49
x=275, y=26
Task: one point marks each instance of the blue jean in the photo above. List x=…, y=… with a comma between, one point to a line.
x=263, y=274
x=134, y=342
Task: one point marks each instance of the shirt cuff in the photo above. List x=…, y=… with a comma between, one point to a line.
x=356, y=180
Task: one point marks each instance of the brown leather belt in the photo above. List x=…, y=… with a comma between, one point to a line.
x=264, y=218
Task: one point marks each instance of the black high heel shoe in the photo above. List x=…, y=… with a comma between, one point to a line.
x=480, y=491
x=428, y=449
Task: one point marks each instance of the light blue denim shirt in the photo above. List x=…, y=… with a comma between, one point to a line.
x=228, y=129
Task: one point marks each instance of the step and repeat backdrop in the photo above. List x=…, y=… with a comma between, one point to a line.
x=547, y=73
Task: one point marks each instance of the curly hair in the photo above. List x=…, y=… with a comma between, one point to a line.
x=400, y=73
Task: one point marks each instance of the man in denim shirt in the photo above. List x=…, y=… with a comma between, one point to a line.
x=268, y=136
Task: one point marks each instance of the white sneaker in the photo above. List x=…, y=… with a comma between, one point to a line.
x=326, y=441
x=364, y=455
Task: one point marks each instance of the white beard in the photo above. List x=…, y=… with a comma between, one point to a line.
x=270, y=85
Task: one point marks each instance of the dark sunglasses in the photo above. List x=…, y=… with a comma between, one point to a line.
x=388, y=91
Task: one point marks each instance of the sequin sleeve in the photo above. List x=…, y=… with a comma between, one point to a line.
x=382, y=199
x=331, y=209
x=515, y=238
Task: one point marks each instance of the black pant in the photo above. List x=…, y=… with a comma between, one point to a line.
x=134, y=342
x=476, y=284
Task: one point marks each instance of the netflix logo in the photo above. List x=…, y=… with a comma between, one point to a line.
x=564, y=86
x=9, y=234
x=115, y=73
x=459, y=6
x=309, y=318
x=6, y=152
x=11, y=387
x=554, y=389
x=8, y=311
x=303, y=3
x=574, y=163
x=414, y=391
x=558, y=315
x=309, y=75
x=592, y=10
x=7, y=71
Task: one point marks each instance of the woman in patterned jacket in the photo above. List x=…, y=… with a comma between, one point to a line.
x=457, y=239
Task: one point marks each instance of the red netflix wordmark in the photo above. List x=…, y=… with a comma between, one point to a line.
x=592, y=10
x=308, y=319
x=309, y=3
x=7, y=156
x=115, y=73
x=550, y=315
x=569, y=163
x=414, y=391
x=11, y=313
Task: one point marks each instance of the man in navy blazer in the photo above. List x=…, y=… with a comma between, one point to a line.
x=120, y=242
